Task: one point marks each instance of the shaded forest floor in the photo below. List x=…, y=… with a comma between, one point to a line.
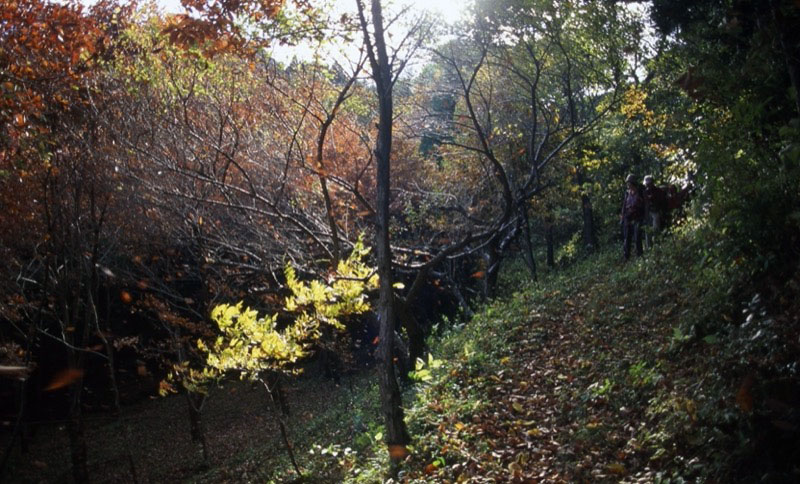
x=675, y=367
x=242, y=435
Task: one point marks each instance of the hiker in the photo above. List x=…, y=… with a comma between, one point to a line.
x=656, y=206
x=632, y=215
x=679, y=198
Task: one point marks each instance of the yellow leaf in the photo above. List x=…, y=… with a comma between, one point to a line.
x=616, y=468
x=517, y=407
x=533, y=433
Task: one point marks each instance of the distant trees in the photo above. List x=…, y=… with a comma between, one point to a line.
x=530, y=80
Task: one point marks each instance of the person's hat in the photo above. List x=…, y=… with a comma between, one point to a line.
x=648, y=180
x=630, y=179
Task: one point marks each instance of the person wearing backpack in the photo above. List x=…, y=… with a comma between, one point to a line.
x=655, y=205
x=632, y=216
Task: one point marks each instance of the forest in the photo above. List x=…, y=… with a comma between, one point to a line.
x=362, y=241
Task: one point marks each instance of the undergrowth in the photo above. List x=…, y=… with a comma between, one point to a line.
x=679, y=366
x=669, y=368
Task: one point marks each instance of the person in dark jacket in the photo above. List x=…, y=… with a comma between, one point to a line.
x=655, y=207
x=633, y=209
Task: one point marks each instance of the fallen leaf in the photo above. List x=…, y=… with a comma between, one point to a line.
x=617, y=468
x=398, y=452
x=64, y=378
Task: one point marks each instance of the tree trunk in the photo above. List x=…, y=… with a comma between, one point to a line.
x=416, y=333
x=391, y=401
x=75, y=423
x=112, y=377
x=530, y=261
x=126, y=428
x=589, y=233
x=548, y=235
x=77, y=435
x=278, y=412
x=195, y=403
x=492, y=260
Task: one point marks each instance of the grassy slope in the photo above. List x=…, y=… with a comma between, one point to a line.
x=639, y=372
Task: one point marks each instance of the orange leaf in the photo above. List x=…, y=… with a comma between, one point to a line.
x=64, y=378
x=478, y=275
x=376, y=340
x=126, y=297
x=398, y=452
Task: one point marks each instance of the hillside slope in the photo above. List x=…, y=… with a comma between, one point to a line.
x=670, y=368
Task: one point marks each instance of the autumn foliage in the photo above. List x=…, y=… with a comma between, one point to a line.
x=50, y=52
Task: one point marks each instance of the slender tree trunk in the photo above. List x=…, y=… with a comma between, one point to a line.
x=322, y=175
x=589, y=233
x=416, y=333
x=195, y=403
x=454, y=278
x=528, y=250
x=391, y=401
x=548, y=235
x=77, y=435
x=278, y=411
x=495, y=253
x=492, y=259
x=112, y=378
x=75, y=424
x=126, y=428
